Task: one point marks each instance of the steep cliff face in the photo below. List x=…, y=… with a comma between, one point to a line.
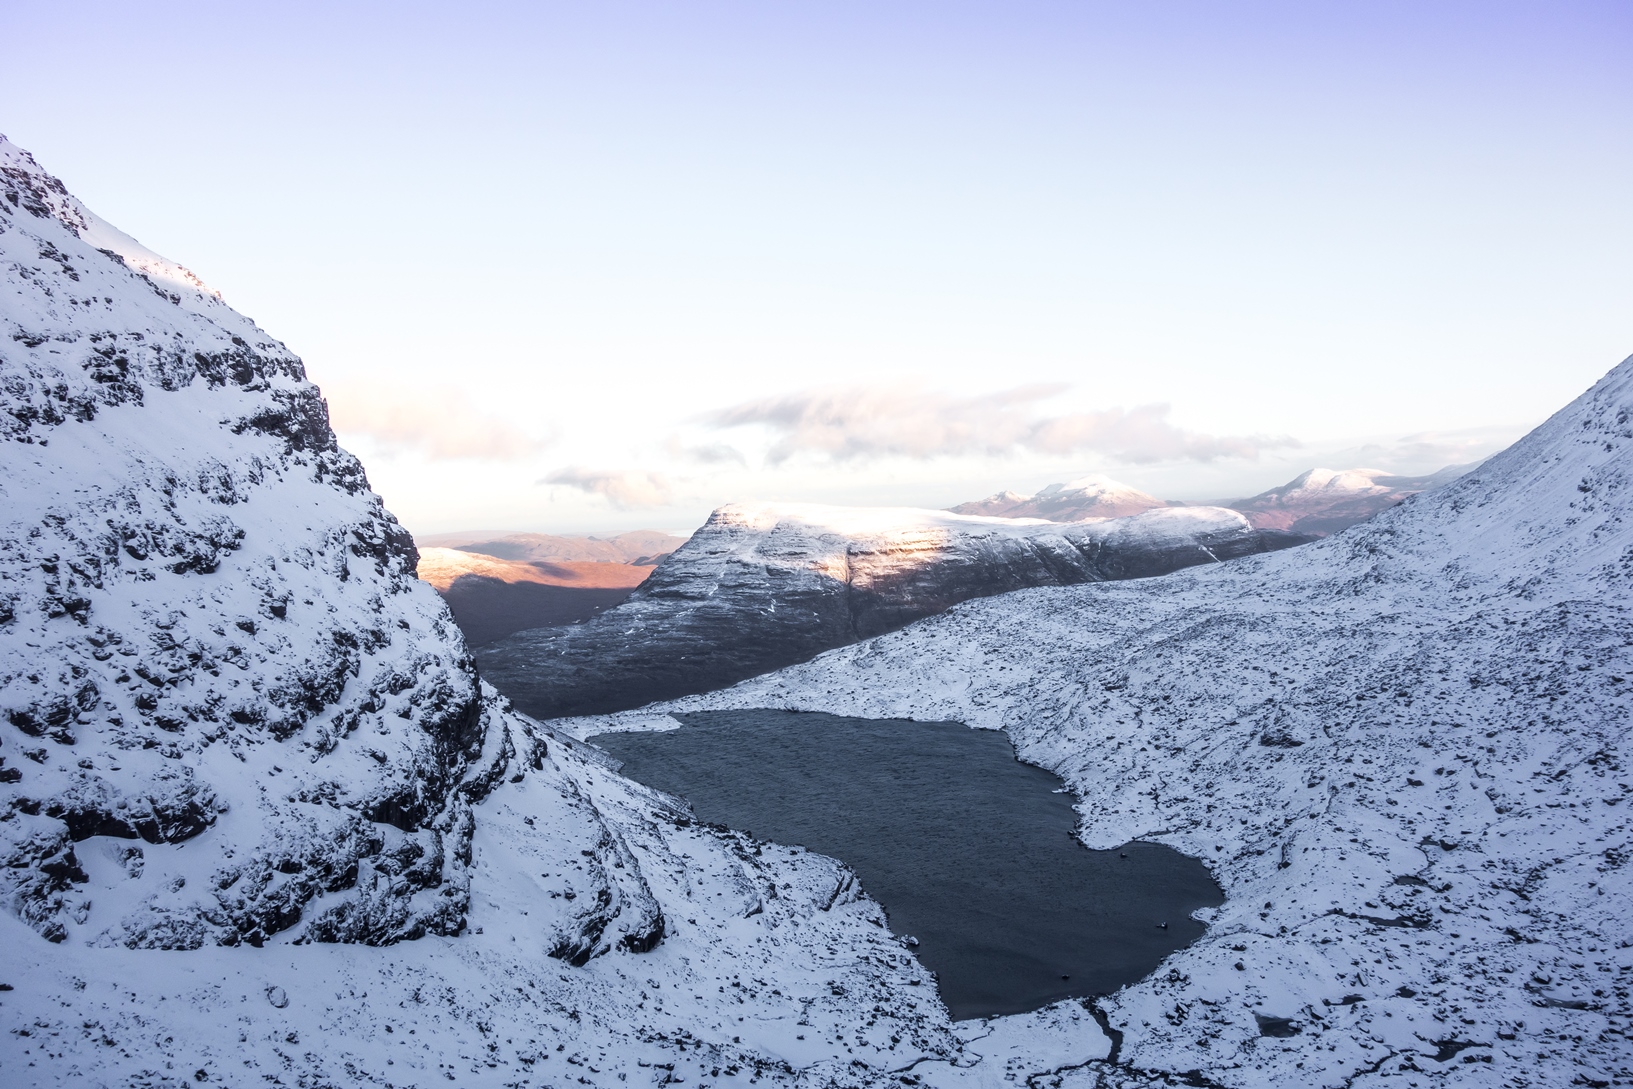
x=211, y=636
x=761, y=587
x=1405, y=748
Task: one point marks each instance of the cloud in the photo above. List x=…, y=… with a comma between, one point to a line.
x=625, y=489
x=713, y=453
x=1427, y=451
x=909, y=421
x=439, y=423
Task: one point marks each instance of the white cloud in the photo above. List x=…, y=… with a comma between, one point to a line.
x=1427, y=451
x=712, y=453
x=438, y=423
x=909, y=421
x=626, y=489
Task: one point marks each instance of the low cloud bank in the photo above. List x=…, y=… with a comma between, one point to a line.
x=439, y=424
x=626, y=489
x=905, y=421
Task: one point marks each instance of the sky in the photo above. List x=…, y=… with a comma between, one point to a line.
x=590, y=267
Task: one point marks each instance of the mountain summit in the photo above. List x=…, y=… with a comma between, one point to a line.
x=1077, y=500
x=1323, y=501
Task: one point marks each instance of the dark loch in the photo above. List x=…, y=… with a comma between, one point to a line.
x=968, y=849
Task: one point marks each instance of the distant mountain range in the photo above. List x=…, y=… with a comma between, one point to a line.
x=641, y=546
x=1318, y=502
x=262, y=821
x=760, y=587
x=1086, y=497
x=490, y=597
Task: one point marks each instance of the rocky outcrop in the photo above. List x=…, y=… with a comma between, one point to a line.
x=761, y=587
x=210, y=623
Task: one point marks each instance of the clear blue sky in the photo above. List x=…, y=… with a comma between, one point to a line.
x=523, y=243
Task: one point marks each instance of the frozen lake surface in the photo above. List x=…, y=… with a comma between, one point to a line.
x=969, y=850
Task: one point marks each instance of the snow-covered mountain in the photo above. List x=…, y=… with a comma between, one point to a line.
x=760, y=587
x=232, y=716
x=1086, y=497
x=1323, y=501
x=1314, y=503
x=261, y=823
x=1403, y=749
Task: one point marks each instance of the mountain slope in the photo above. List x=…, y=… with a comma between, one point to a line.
x=760, y=587
x=260, y=821
x=1404, y=749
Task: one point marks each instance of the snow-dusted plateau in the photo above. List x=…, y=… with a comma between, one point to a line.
x=263, y=825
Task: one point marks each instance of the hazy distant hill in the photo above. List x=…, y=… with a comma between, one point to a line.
x=636, y=546
x=1317, y=502
x=490, y=597
x=1324, y=501
x=1073, y=501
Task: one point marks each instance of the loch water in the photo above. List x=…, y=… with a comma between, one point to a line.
x=968, y=849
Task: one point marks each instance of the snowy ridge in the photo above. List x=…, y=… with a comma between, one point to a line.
x=761, y=586
x=1403, y=749
x=229, y=713
x=1092, y=496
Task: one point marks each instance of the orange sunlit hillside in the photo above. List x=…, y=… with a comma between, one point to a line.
x=441, y=566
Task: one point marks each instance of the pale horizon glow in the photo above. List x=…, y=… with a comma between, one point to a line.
x=587, y=268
